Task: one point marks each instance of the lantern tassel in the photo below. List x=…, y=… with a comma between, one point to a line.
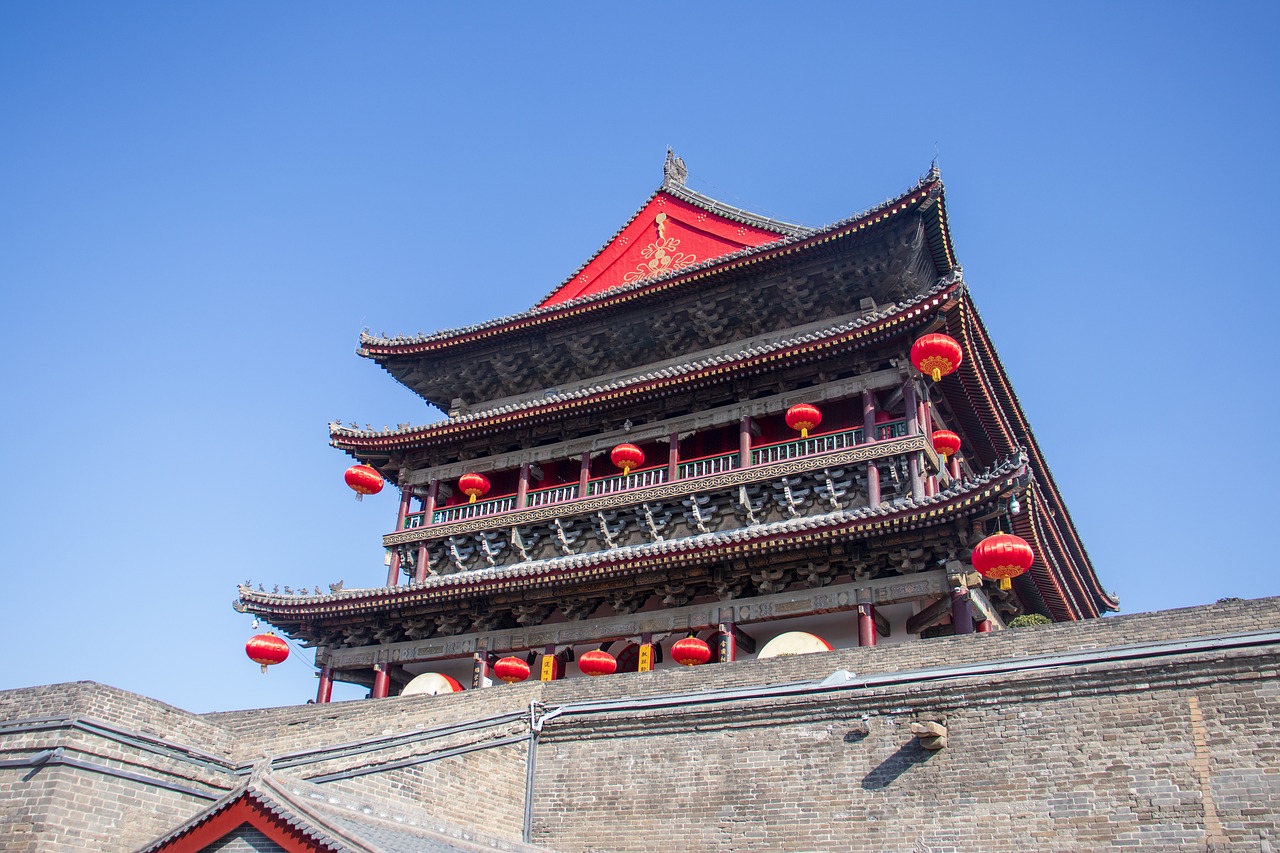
x=1005, y=583
x=626, y=470
x=359, y=497
x=473, y=498
x=804, y=432
x=937, y=374
x=263, y=667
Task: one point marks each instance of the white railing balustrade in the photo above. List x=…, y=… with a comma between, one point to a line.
x=552, y=495
x=479, y=509
x=626, y=482
x=708, y=466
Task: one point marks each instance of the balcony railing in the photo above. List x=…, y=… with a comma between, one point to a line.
x=623, y=482
x=552, y=495
x=479, y=509
x=826, y=443
x=692, y=469
x=707, y=465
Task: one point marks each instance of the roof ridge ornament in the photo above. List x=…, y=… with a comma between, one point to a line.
x=674, y=171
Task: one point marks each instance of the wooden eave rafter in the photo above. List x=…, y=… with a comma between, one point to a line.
x=994, y=425
x=928, y=197
x=281, y=611
x=364, y=446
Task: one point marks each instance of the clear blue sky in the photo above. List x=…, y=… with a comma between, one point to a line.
x=201, y=205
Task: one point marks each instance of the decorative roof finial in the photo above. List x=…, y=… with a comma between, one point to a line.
x=674, y=171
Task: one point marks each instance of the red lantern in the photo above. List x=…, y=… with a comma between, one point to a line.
x=363, y=480
x=266, y=650
x=626, y=457
x=690, y=651
x=474, y=486
x=1003, y=557
x=936, y=355
x=803, y=417
x=511, y=670
x=945, y=442
x=597, y=662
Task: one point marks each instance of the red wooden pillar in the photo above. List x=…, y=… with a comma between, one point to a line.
x=866, y=625
x=912, y=410
x=913, y=428
x=984, y=627
x=954, y=462
x=728, y=643
x=381, y=680
x=406, y=495
x=585, y=474
x=433, y=496
x=744, y=442
x=522, y=486
x=420, y=567
x=869, y=434
x=673, y=456
x=961, y=612
x=393, y=568
x=925, y=415
x=324, y=692
x=868, y=415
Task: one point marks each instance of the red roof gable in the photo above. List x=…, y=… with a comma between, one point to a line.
x=667, y=234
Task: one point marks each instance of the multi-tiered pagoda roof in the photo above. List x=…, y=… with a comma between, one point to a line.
x=694, y=320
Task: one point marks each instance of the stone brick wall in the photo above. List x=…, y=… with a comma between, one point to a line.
x=1171, y=752
x=1095, y=756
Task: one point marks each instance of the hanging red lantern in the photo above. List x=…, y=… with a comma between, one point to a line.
x=690, y=652
x=597, y=662
x=266, y=650
x=473, y=486
x=945, y=442
x=511, y=670
x=804, y=417
x=363, y=480
x=936, y=355
x=1002, y=557
x=626, y=457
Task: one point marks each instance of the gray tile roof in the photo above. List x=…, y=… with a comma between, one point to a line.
x=338, y=431
x=789, y=234
x=563, y=564
x=340, y=823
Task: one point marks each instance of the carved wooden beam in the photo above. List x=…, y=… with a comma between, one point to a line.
x=883, y=628
x=696, y=617
x=937, y=612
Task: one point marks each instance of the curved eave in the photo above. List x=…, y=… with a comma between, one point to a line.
x=361, y=444
x=957, y=502
x=927, y=197
x=995, y=425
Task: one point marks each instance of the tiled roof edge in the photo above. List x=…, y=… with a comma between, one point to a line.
x=367, y=341
x=553, y=565
x=337, y=432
